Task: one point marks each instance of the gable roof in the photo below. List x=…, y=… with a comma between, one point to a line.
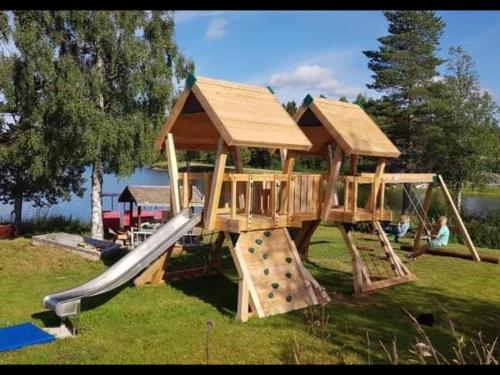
x=242, y=114
x=158, y=196
x=348, y=124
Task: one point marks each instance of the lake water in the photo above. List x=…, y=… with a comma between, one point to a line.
x=80, y=207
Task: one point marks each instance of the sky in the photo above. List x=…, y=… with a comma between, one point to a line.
x=318, y=52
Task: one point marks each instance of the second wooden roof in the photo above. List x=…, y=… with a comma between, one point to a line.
x=348, y=124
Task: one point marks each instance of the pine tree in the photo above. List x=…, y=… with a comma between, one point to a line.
x=404, y=67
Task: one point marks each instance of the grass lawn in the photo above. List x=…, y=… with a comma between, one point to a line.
x=167, y=324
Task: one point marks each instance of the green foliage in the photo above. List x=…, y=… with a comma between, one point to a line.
x=291, y=107
x=460, y=141
x=484, y=229
x=37, y=160
x=343, y=99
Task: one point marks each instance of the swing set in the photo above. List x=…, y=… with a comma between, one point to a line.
x=426, y=227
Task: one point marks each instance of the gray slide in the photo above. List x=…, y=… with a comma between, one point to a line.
x=67, y=303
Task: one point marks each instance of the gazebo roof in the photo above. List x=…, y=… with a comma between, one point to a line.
x=242, y=114
x=158, y=196
x=348, y=124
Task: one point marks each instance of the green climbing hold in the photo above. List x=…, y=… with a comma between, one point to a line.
x=265, y=256
x=258, y=241
x=288, y=275
x=288, y=260
x=266, y=271
x=251, y=250
x=271, y=295
x=267, y=233
x=288, y=298
x=275, y=285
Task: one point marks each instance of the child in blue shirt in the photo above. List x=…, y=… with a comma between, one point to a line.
x=399, y=230
x=441, y=238
x=435, y=240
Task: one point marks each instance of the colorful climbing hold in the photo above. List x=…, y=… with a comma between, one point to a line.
x=266, y=271
x=288, y=260
x=271, y=295
x=267, y=233
x=288, y=298
x=258, y=241
x=265, y=256
x=251, y=250
x=275, y=285
x=288, y=275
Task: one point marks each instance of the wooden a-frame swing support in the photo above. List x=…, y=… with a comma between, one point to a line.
x=417, y=250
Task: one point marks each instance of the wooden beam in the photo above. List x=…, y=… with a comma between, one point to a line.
x=403, y=178
x=215, y=190
x=421, y=224
x=245, y=285
x=238, y=168
x=185, y=190
x=463, y=229
x=331, y=196
x=173, y=174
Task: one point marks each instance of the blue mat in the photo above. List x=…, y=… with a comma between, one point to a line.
x=22, y=335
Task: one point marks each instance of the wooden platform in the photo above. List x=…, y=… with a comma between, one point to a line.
x=276, y=280
x=93, y=249
x=361, y=214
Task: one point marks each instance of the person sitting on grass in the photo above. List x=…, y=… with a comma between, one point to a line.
x=399, y=230
x=435, y=241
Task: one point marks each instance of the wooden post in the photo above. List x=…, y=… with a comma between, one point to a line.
x=283, y=152
x=238, y=168
x=421, y=224
x=331, y=196
x=173, y=174
x=185, y=190
x=131, y=213
x=377, y=180
x=233, y=197
x=139, y=211
x=215, y=190
x=287, y=169
x=461, y=225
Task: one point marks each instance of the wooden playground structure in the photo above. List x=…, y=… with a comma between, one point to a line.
x=268, y=219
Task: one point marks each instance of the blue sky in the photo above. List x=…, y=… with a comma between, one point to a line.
x=318, y=52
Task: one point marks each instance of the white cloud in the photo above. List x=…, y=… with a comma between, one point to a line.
x=216, y=29
x=189, y=15
x=312, y=79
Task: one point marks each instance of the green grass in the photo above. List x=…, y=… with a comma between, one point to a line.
x=167, y=324
x=492, y=191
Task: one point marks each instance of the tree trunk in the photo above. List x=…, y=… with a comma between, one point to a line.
x=458, y=200
x=18, y=213
x=97, y=230
x=405, y=203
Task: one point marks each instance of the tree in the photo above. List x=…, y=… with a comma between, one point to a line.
x=461, y=140
x=124, y=64
x=36, y=157
x=343, y=99
x=291, y=107
x=405, y=67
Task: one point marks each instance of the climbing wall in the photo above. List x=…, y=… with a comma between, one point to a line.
x=278, y=281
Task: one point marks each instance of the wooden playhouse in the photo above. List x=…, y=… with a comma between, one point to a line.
x=251, y=211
